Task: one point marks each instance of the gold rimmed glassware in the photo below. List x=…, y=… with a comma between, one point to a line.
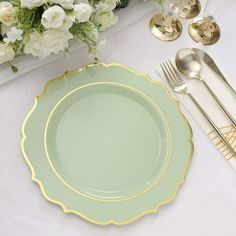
x=189, y=9
x=164, y=25
x=205, y=30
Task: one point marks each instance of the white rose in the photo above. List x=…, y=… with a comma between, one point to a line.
x=53, y=17
x=30, y=4
x=67, y=24
x=56, y=40
x=7, y=13
x=6, y=53
x=50, y=41
x=105, y=6
x=83, y=12
x=67, y=4
x=105, y=19
x=35, y=46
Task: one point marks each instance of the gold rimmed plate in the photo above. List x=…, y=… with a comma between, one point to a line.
x=103, y=142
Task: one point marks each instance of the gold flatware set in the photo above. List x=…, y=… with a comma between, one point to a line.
x=188, y=66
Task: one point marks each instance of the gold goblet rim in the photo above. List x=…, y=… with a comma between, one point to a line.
x=165, y=28
x=206, y=37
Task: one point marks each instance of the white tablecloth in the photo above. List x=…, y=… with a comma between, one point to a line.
x=205, y=204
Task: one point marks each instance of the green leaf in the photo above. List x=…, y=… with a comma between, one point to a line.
x=122, y=3
x=13, y=68
x=70, y=14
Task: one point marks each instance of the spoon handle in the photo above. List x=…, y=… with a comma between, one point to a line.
x=224, y=109
x=213, y=125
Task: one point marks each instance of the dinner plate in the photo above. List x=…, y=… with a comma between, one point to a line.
x=107, y=143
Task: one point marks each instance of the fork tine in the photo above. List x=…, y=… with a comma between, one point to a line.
x=167, y=74
x=175, y=72
x=170, y=67
x=170, y=73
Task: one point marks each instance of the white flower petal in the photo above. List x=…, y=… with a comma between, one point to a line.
x=53, y=17
x=30, y=4
x=6, y=53
x=13, y=35
x=83, y=12
x=7, y=13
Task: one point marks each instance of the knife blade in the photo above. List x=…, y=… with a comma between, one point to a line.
x=210, y=62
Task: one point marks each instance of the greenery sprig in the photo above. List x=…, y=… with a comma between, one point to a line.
x=44, y=27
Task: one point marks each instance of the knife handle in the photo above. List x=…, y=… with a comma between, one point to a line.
x=213, y=125
x=224, y=109
x=228, y=84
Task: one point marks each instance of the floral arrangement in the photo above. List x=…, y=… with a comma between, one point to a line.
x=45, y=27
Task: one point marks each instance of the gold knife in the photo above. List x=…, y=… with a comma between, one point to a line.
x=210, y=62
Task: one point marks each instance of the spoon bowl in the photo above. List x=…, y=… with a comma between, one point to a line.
x=188, y=63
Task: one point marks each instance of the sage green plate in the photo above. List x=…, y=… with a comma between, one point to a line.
x=107, y=143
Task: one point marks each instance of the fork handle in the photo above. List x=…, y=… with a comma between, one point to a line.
x=224, y=109
x=212, y=124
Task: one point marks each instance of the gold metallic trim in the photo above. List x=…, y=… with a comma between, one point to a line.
x=230, y=133
x=165, y=123
x=180, y=182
